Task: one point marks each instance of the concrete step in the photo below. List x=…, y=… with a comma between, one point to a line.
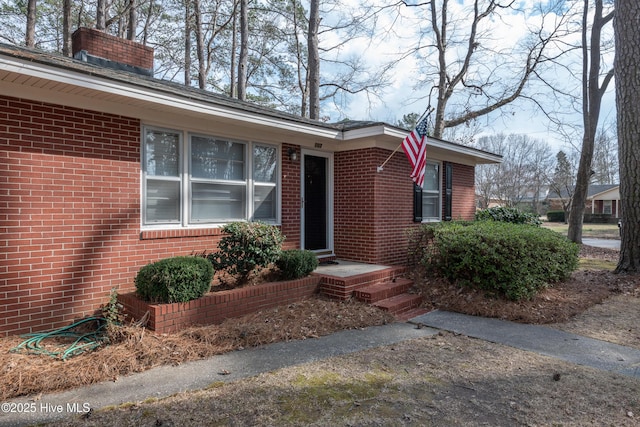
x=379, y=291
x=400, y=303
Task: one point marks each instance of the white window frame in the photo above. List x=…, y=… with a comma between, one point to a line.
x=438, y=195
x=186, y=179
x=146, y=178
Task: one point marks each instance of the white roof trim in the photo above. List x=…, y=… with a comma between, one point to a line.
x=169, y=102
x=105, y=85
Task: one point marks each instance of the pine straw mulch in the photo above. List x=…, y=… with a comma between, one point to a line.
x=135, y=349
x=586, y=288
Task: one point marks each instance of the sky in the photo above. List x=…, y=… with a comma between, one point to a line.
x=403, y=27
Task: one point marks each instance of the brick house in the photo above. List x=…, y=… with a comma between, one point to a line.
x=104, y=169
x=603, y=202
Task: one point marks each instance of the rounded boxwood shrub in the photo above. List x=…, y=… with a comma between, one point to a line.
x=555, y=216
x=247, y=246
x=176, y=279
x=512, y=260
x=504, y=214
x=296, y=263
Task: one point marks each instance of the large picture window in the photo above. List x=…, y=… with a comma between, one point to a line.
x=207, y=180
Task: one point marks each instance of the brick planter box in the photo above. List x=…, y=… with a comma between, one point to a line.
x=215, y=307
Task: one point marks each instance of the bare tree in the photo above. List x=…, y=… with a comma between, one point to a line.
x=605, y=159
x=592, y=92
x=627, y=64
x=519, y=179
x=208, y=33
x=561, y=183
x=463, y=45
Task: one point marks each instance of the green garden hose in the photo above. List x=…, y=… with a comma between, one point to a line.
x=82, y=341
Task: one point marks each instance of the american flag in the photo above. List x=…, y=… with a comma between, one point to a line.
x=415, y=147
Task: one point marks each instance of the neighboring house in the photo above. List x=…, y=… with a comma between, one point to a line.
x=104, y=169
x=602, y=199
x=531, y=201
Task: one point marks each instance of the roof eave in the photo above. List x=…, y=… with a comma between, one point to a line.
x=160, y=99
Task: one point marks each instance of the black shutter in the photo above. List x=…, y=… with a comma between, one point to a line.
x=448, y=184
x=417, y=203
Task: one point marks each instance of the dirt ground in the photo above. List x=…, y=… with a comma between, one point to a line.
x=442, y=380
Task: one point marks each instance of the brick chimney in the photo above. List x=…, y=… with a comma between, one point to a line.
x=99, y=48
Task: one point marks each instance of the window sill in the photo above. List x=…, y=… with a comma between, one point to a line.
x=179, y=233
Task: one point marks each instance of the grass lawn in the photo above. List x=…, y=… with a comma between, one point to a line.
x=602, y=231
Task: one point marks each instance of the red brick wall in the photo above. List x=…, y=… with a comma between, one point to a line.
x=103, y=45
x=373, y=210
x=463, y=192
x=291, y=198
x=70, y=214
x=70, y=211
x=216, y=307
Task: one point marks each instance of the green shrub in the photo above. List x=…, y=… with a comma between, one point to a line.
x=555, y=216
x=512, y=215
x=247, y=247
x=177, y=279
x=421, y=241
x=512, y=260
x=296, y=263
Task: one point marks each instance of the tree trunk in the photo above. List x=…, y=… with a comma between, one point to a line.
x=30, y=38
x=244, y=50
x=592, y=93
x=314, y=60
x=187, y=42
x=233, y=89
x=202, y=66
x=66, y=28
x=147, y=23
x=133, y=20
x=627, y=64
x=101, y=18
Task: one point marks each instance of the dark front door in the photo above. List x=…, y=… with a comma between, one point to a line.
x=315, y=189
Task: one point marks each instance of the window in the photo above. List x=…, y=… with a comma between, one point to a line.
x=607, y=207
x=431, y=192
x=162, y=170
x=211, y=180
x=428, y=199
x=218, y=183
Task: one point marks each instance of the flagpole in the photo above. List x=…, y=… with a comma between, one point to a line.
x=381, y=167
x=427, y=112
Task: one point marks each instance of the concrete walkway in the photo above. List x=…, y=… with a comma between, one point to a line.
x=602, y=243
x=167, y=380
x=539, y=339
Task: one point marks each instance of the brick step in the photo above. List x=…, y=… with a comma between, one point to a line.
x=344, y=287
x=400, y=303
x=379, y=291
